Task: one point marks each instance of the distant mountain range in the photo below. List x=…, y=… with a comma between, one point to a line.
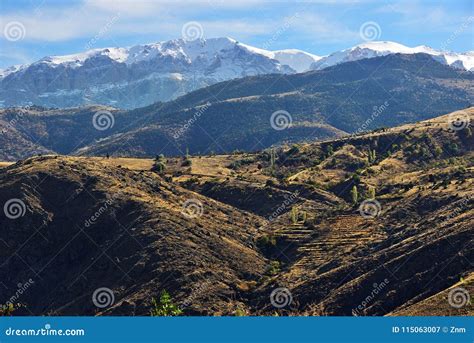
x=144, y=74
x=463, y=61
x=250, y=113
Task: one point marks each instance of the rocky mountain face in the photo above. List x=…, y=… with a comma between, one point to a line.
x=374, y=224
x=140, y=75
x=144, y=74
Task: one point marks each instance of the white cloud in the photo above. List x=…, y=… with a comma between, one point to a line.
x=321, y=27
x=416, y=15
x=164, y=18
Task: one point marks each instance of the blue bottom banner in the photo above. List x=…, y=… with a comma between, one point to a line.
x=237, y=329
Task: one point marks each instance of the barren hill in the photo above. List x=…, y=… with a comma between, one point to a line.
x=371, y=224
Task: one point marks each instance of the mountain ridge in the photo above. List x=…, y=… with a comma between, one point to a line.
x=144, y=74
x=381, y=48
x=237, y=114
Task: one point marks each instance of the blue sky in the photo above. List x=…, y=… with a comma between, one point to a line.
x=33, y=29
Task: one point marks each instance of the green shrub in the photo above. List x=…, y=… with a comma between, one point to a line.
x=165, y=306
x=371, y=193
x=274, y=268
x=354, y=195
x=293, y=150
x=452, y=148
x=294, y=215
x=270, y=183
x=266, y=241
x=186, y=163
x=8, y=309
x=239, y=312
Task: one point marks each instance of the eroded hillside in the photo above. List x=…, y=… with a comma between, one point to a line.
x=372, y=224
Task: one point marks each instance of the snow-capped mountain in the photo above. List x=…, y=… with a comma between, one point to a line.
x=144, y=74
x=298, y=60
x=141, y=75
x=382, y=48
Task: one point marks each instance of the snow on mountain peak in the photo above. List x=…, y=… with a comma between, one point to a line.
x=77, y=60
x=298, y=60
x=382, y=48
x=165, y=70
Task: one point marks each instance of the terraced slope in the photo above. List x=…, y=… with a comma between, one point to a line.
x=373, y=224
